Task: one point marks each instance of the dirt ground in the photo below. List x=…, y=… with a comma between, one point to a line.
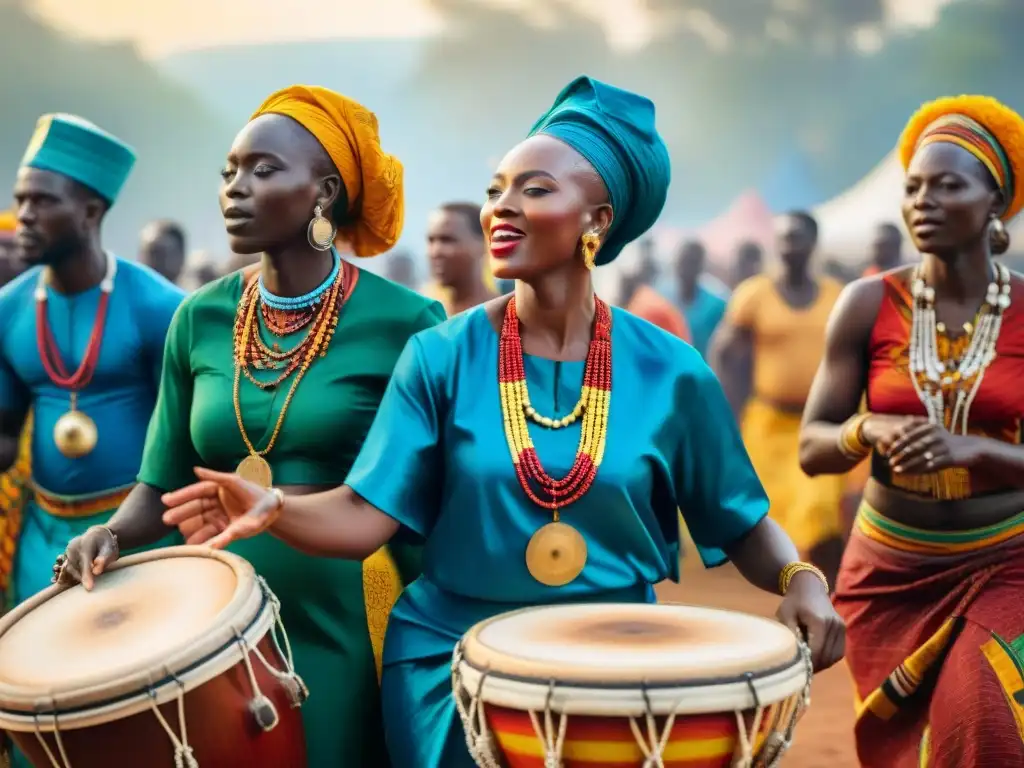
x=824, y=738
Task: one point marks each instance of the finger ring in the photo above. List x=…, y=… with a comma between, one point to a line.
x=928, y=455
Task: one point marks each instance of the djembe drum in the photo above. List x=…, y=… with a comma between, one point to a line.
x=651, y=686
x=176, y=659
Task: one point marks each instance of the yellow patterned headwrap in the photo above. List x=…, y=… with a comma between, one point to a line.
x=373, y=179
x=989, y=130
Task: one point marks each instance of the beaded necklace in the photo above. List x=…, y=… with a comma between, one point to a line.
x=250, y=351
x=75, y=433
x=285, y=315
x=947, y=387
x=556, y=553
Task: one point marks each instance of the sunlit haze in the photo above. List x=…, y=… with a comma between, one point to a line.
x=161, y=28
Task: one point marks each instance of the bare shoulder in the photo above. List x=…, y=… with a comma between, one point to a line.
x=856, y=308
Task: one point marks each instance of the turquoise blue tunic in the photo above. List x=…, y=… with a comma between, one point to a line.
x=437, y=461
x=703, y=315
x=119, y=399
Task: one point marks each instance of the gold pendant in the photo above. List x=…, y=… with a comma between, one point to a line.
x=75, y=434
x=556, y=554
x=256, y=470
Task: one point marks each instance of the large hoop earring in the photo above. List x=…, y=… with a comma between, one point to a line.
x=998, y=237
x=591, y=245
x=320, y=231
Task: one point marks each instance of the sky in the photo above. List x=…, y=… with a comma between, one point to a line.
x=162, y=27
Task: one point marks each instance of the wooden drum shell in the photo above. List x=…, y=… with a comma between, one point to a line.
x=221, y=730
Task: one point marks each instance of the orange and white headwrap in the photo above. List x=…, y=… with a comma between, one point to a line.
x=992, y=132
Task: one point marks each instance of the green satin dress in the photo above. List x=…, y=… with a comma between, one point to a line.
x=335, y=611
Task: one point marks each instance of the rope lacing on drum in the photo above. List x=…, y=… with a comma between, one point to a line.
x=65, y=761
x=653, y=746
x=183, y=754
x=778, y=744
x=474, y=720
x=748, y=740
x=552, y=738
x=291, y=680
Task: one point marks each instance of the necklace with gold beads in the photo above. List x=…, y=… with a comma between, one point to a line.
x=557, y=552
x=251, y=353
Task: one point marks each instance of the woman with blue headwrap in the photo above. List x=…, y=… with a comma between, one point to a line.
x=452, y=457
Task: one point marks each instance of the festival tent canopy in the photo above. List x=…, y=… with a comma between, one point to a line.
x=847, y=222
x=747, y=218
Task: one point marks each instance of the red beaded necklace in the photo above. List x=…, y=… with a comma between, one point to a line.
x=595, y=398
x=49, y=353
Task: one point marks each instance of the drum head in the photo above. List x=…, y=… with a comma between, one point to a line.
x=151, y=616
x=609, y=645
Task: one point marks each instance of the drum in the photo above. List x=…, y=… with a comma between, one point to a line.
x=176, y=659
x=611, y=686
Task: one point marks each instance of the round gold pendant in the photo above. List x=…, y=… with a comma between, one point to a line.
x=256, y=470
x=556, y=554
x=75, y=434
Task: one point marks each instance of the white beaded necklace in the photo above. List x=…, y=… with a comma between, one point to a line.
x=931, y=375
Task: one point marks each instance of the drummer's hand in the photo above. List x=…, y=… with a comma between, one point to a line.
x=807, y=609
x=220, y=508
x=88, y=556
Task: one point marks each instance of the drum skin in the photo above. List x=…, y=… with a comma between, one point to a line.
x=697, y=741
x=221, y=730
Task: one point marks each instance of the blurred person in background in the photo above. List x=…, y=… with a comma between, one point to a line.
x=14, y=483
x=162, y=248
x=399, y=267
x=200, y=268
x=766, y=353
x=886, y=249
x=638, y=297
x=749, y=262
x=457, y=253
x=10, y=263
x=699, y=298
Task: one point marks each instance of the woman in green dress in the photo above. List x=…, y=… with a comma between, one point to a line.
x=278, y=370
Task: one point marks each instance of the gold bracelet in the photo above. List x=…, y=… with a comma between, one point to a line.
x=786, y=575
x=851, y=441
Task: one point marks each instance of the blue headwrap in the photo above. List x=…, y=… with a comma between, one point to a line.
x=614, y=130
x=76, y=148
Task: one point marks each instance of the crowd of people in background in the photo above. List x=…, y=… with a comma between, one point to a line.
x=763, y=336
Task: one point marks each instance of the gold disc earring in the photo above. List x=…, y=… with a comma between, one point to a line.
x=591, y=244
x=320, y=232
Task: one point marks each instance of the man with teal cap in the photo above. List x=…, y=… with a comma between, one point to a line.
x=81, y=343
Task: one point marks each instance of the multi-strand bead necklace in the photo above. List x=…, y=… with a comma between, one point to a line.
x=947, y=387
x=316, y=311
x=557, y=552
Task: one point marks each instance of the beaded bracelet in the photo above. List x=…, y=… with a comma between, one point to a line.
x=851, y=438
x=786, y=575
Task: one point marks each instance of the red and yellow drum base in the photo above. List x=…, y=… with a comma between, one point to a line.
x=629, y=686
x=697, y=741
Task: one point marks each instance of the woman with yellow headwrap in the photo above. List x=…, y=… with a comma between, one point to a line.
x=278, y=371
x=931, y=578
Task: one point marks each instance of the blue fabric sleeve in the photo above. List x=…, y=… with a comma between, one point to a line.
x=717, y=489
x=399, y=469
